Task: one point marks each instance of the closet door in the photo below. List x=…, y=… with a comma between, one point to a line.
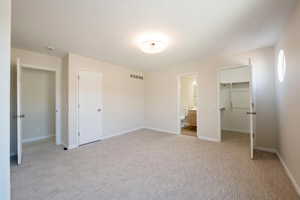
x=89, y=107
x=252, y=114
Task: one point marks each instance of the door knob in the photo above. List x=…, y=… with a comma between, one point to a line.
x=19, y=116
x=99, y=110
x=251, y=113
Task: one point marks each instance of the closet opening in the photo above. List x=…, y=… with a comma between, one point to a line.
x=236, y=106
x=35, y=122
x=235, y=98
x=188, y=104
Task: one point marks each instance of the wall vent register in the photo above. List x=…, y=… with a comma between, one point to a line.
x=136, y=76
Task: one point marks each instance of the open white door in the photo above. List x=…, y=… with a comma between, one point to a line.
x=252, y=114
x=19, y=116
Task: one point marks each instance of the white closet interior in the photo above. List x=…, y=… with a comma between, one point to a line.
x=234, y=99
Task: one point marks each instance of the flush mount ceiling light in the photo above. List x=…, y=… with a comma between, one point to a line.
x=152, y=43
x=195, y=83
x=50, y=48
x=281, y=66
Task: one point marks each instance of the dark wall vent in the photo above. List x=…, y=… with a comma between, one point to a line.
x=136, y=76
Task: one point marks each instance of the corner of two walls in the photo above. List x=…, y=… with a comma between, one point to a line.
x=64, y=103
x=160, y=101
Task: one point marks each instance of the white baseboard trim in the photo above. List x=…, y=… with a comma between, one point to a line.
x=270, y=150
x=286, y=169
x=69, y=147
x=209, y=139
x=236, y=130
x=120, y=133
x=36, y=139
x=288, y=172
x=161, y=130
x=72, y=147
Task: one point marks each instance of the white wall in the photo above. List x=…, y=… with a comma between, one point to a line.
x=5, y=20
x=161, y=95
x=160, y=101
x=38, y=104
x=123, y=97
x=235, y=75
x=65, y=103
x=288, y=97
x=41, y=60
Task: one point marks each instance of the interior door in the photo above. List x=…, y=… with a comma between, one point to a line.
x=89, y=107
x=252, y=114
x=20, y=115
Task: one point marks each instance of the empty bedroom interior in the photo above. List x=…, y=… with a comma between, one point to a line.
x=149, y=99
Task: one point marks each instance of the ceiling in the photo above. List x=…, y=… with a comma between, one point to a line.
x=107, y=29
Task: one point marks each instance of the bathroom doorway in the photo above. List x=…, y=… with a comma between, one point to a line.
x=187, y=101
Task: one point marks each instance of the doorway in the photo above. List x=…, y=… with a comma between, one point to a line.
x=36, y=95
x=188, y=104
x=36, y=107
x=236, y=106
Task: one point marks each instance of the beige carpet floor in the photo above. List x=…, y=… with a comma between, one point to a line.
x=146, y=165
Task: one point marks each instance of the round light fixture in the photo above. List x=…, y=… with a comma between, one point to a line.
x=50, y=48
x=152, y=43
x=281, y=66
x=195, y=83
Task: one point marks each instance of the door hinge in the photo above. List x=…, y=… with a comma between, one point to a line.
x=78, y=77
x=78, y=133
x=78, y=105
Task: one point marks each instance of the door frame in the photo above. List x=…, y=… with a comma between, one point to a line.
x=77, y=104
x=179, y=100
x=251, y=85
x=57, y=86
